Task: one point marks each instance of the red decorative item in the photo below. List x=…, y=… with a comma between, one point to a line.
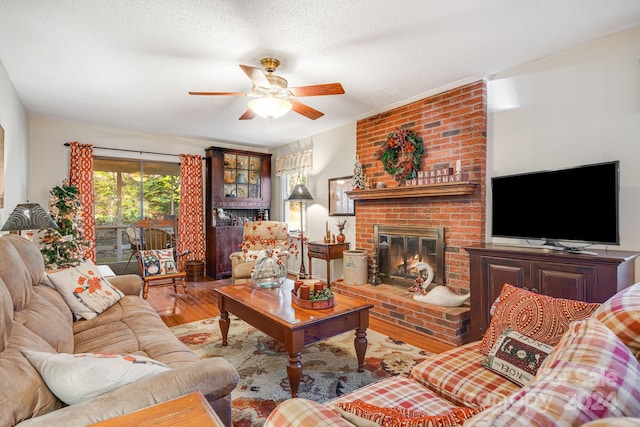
x=304, y=292
x=313, y=305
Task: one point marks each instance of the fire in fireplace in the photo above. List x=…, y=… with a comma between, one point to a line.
x=401, y=249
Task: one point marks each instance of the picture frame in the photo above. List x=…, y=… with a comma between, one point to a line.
x=339, y=202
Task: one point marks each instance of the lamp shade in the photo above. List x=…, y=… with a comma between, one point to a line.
x=269, y=107
x=300, y=193
x=28, y=216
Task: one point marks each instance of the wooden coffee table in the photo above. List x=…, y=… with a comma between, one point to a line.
x=271, y=311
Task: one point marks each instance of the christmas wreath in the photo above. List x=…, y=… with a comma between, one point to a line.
x=400, y=155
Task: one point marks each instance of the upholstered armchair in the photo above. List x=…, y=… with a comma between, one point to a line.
x=257, y=238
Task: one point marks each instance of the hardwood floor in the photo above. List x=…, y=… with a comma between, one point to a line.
x=176, y=308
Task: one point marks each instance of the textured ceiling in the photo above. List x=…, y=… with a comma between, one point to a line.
x=129, y=64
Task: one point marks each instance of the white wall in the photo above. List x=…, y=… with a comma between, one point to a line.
x=577, y=107
x=334, y=153
x=15, y=122
x=50, y=158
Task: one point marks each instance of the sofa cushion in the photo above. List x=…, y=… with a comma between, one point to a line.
x=458, y=376
x=590, y=375
x=131, y=326
x=540, y=317
x=45, y=320
x=6, y=317
x=621, y=314
x=21, y=267
x=24, y=393
x=74, y=378
x=516, y=357
x=402, y=417
x=85, y=290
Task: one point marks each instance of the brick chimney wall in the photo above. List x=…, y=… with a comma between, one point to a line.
x=453, y=125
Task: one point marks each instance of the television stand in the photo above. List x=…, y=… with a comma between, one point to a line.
x=560, y=274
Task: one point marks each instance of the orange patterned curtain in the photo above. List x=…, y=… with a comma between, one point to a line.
x=81, y=177
x=191, y=219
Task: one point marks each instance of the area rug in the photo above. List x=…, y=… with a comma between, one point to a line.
x=329, y=368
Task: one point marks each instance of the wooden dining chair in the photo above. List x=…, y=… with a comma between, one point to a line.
x=159, y=262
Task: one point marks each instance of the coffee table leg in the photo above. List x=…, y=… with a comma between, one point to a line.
x=224, y=325
x=360, y=343
x=294, y=372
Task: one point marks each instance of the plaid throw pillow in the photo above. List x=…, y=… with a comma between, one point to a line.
x=589, y=375
x=621, y=314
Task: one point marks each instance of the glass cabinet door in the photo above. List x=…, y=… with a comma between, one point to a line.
x=242, y=176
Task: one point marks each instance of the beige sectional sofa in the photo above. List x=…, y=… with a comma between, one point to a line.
x=35, y=317
x=590, y=373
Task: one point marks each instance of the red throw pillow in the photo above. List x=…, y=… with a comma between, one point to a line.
x=402, y=417
x=540, y=317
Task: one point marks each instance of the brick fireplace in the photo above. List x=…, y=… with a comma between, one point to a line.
x=453, y=125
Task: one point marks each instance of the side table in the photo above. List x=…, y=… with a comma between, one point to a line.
x=327, y=252
x=190, y=410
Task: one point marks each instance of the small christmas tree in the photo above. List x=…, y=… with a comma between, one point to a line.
x=358, y=175
x=66, y=246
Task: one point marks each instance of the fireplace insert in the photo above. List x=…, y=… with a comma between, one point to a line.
x=401, y=249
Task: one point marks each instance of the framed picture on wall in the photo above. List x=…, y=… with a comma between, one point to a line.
x=339, y=203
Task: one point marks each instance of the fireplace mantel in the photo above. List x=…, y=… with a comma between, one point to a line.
x=447, y=189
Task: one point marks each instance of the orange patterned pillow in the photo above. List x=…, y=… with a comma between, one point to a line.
x=402, y=417
x=540, y=317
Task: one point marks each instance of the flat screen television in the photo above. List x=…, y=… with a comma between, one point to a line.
x=578, y=204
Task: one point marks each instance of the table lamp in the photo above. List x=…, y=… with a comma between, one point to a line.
x=28, y=216
x=301, y=194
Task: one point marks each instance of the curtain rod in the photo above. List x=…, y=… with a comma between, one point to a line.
x=67, y=144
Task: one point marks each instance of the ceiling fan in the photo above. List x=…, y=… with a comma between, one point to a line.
x=273, y=97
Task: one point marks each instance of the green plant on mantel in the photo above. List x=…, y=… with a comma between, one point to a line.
x=64, y=247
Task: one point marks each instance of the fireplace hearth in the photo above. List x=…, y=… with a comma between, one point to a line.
x=402, y=249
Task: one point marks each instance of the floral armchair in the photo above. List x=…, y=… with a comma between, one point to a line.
x=259, y=238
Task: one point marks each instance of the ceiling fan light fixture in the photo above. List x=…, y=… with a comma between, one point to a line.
x=269, y=107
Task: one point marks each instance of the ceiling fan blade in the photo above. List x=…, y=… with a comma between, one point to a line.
x=257, y=76
x=247, y=115
x=305, y=110
x=219, y=93
x=318, y=90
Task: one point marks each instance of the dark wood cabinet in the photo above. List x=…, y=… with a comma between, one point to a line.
x=239, y=179
x=240, y=183
x=590, y=278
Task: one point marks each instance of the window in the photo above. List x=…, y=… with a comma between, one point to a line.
x=126, y=191
x=292, y=209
